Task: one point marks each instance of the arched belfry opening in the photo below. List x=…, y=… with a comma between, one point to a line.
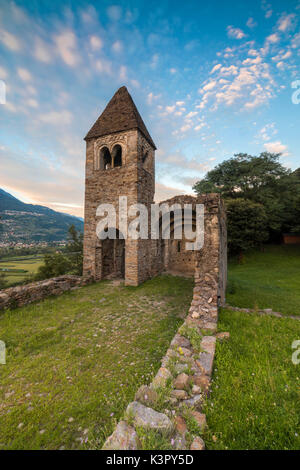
x=117, y=155
x=105, y=160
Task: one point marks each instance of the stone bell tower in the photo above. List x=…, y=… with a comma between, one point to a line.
x=120, y=161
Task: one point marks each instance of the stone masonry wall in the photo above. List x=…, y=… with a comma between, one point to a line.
x=175, y=397
x=134, y=179
x=22, y=295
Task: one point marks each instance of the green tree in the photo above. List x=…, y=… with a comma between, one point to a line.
x=261, y=179
x=54, y=265
x=246, y=224
x=75, y=250
x=69, y=262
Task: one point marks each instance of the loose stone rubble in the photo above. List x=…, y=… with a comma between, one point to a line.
x=183, y=381
x=35, y=291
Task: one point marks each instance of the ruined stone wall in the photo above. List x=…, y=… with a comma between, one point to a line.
x=209, y=265
x=35, y=291
x=185, y=366
x=184, y=377
x=211, y=261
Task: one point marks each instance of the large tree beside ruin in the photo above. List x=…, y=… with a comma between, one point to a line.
x=263, y=180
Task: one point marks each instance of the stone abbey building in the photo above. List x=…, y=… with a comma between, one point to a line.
x=120, y=161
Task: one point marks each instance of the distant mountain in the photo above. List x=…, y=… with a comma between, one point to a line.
x=20, y=222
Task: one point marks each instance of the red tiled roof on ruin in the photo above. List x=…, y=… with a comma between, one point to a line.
x=120, y=114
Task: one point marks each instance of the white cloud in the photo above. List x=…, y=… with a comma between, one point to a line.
x=42, y=51
x=117, y=46
x=250, y=84
x=179, y=103
x=103, y=66
x=287, y=55
x=58, y=118
x=231, y=70
x=32, y=103
x=215, y=68
x=24, y=74
x=253, y=52
x=199, y=126
x=273, y=38
x=123, y=73
x=235, y=33
x=163, y=192
x=96, y=42
x=135, y=83
x=3, y=73
x=172, y=71
x=210, y=85
x=185, y=127
x=31, y=90
x=267, y=7
x=276, y=147
x=286, y=22
x=251, y=23
x=267, y=132
x=10, y=107
x=9, y=40
x=191, y=114
x=66, y=47
x=170, y=109
x=151, y=97
x=154, y=61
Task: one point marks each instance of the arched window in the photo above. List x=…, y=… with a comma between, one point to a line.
x=117, y=155
x=145, y=156
x=105, y=159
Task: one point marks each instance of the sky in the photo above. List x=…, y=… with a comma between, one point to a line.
x=210, y=79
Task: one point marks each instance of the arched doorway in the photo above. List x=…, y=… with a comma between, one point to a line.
x=174, y=255
x=110, y=256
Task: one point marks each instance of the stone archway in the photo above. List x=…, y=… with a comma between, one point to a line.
x=110, y=257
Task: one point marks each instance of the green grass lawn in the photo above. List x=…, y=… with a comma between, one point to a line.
x=255, y=399
x=29, y=263
x=269, y=279
x=74, y=362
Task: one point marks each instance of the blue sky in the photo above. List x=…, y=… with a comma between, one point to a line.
x=210, y=79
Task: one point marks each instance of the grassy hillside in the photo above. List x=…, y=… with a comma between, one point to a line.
x=29, y=223
x=75, y=361
x=269, y=279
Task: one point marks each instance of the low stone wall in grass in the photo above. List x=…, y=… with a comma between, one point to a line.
x=265, y=311
x=169, y=410
x=35, y=291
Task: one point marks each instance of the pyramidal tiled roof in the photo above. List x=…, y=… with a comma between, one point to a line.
x=120, y=114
